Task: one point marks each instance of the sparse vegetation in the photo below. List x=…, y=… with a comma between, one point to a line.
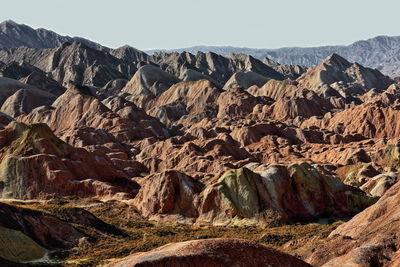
x=140, y=234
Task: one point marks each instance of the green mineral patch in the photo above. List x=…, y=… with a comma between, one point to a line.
x=239, y=189
x=27, y=137
x=392, y=156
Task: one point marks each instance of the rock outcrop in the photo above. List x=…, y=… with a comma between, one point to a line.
x=78, y=108
x=43, y=229
x=277, y=194
x=17, y=247
x=337, y=69
x=186, y=102
x=170, y=192
x=269, y=195
x=36, y=164
x=15, y=35
x=275, y=89
x=211, y=252
x=25, y=100
x=370, y=120
x=245, y=80
x=74, y=62
x=370, y=238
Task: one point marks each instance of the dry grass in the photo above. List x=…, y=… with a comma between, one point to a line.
x=143, y=235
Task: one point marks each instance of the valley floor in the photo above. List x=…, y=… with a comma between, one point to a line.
x=125, y=232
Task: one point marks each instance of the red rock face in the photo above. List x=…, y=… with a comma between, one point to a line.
x=215, y=131
x=24, y=101
x=370, y=238
x=369, y=120
x=211, y=252
x=46, y=230
x=170, y=192
x=177, y=145
x=186, y=102
x=36, y=164
x=76, y=109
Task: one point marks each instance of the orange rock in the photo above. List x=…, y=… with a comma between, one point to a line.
x=211, y=252
x=370, y=238
x=36, y=164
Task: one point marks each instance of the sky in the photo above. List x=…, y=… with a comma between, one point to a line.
x=167, y=24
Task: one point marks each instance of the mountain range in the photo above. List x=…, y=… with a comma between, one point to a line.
x=381, y=52
x=108, y=156
x=14, y=35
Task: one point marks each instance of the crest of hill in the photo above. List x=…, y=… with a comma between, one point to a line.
x=13, y=35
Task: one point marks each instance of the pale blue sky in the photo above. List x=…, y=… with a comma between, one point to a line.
x=149, y=24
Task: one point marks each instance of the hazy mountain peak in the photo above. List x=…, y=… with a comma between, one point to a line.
x=380, y=52
x=336, y=60
x=9, y=22
x=14, y=34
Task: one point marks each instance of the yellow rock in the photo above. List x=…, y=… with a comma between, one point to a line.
x=17, y=247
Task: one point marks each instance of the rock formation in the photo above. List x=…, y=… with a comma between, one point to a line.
x=212, y=252
x=15, y=35
x=245, y=80
x=337, y=69
x=74, y=62
x=370, y=238
x=190, y=142
x=149, y=80
x=36, y=164
x=275, y=195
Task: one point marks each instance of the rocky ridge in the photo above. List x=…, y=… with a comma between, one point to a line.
x=202, y=140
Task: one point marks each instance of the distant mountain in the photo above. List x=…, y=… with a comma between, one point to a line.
x=74, y=62
x=381, y=52
x=14, y=35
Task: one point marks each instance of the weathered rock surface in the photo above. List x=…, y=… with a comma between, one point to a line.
x=186, y=102
x=374, y=52
x=159, y=133
x=211, y=252
x=45, y=230
x=25, y=100
x=371, y=120
x=8, y=87
x=337, y=69
x=36, y=164
x=78, y=108
x=170, y=192
x=370, y=238
x=287, y=70
x=270, y=195
x=43, y=82
x=17, y=247
x=151, y=80
x=17, y=70
x=275, y=193
x=217, y=67
x=245, y=80
x=15, y=35
x=74, y=62
x=129, y=54
x=275, y=89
